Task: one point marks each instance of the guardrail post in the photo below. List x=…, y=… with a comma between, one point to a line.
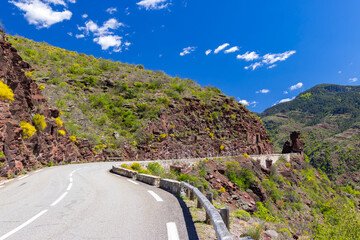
x=192, y=196
x=225, y=215
x=209, y=196
x=187, y=190
x=198, y=200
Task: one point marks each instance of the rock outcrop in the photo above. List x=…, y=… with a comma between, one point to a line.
x=296, y=145
x=46, y=145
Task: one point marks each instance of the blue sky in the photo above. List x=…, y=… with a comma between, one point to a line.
x=262, y=52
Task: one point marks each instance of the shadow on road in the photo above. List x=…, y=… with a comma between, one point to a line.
x=190, y=226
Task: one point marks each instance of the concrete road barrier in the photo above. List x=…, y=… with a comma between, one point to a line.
x=172, y=186
x=149, y=179
x=124, y=172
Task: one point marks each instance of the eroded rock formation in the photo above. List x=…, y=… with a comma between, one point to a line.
x=296, y=145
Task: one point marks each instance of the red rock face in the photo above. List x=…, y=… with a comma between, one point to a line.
x=44, y=146
x=192, y=129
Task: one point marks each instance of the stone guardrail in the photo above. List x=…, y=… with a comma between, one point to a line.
x=175, y=187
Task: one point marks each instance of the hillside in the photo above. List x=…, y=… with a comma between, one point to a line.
x=134, y=113
x=31, y=132
x=329, y=118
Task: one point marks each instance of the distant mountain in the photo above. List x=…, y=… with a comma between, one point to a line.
x=328, y=116
x=133, y=113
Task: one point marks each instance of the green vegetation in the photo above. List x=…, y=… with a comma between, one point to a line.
x=241, y=214
x=242, y=177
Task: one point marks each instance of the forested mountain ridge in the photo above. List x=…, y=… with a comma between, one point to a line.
x=328, y=116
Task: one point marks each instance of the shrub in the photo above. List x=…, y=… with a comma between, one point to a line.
x=2, y=154
x=61, y=132
x=91, y=80
x=28, y=129
x=136, y=166
x=144, y=171
x=184, y=177
x=241, y=214
x=264, y=213
x=246, y=155
x=222, y=147
x=59, y=122
x=6, y=94
x=39, y=122
x=72, y=138
x=242, y=177
x=41, y=87
x=255, y=231
x=288, y=164
x=221, y=190
x=156, y=169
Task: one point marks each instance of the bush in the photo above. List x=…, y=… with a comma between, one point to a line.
x=39, y=122
x=136, y=166
x=61, y=132
x=28, y=129
x=6, y=94
x=264, y=213
x=255, y=231
x=156, y=169
x=184, y=177
x=241, y=214
x=242, y=177
x=72, y=138
x=59, y=122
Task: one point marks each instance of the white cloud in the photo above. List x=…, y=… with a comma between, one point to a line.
x=70, y=34
x=111, y=10
x=79, y=36
x=339, y=72
x=286, y=92
x=296, y=86
x=270, y=59
x=84, y=15
x=231, y=50
x=254, y=66
x=187, y=50
x=221, y=47
x=72, y=1
x=108, y=41
x=127, y=11
x=247, y=103
x=208, y=52
x=272, y=66
x=355, y=79
x=40, y=13
x=153, y=4
x=286, y=100
x=263, y=91
x=104, y=35
x=248, y=56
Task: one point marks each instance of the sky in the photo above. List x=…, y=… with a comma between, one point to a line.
x=259, y=51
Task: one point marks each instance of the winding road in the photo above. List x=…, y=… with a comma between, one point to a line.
x=86, y=201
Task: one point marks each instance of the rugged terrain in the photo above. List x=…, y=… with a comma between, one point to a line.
x=134, y=113
x=329, y=118
x=22, y=145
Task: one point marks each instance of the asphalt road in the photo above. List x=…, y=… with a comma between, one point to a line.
x=86, y=201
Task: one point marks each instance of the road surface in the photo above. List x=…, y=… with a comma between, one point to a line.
x=86, y=201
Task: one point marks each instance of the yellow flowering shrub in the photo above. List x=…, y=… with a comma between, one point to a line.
x=222, y=189
x=222, y=147
x=72, y=138
x=28, y=129
x=59, y=122
x=246, y=155
x=39, y=122
x=41, y=87
x=6, y=94
x=61, y=132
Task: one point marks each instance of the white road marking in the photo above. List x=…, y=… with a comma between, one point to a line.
x=2, y=183
x=8, y=180
x=157, y=198
x=69, y=187
x=71, y=180
x=38, y=170
x=172, y=231
x=23, y=225
x=58, y=200
x=23, y=177
x=133, y=182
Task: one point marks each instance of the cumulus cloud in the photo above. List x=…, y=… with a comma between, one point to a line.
x=187, y=50
x=208, y=52
x=111, y=10
x=248, y=103
x=221, y=47
x=104, y=35
x=270, y=59
x=254, y=66
x=355, y=79
x=248, y=56
x=263, y=91
x=79, y=36
x=153, y=4
x=231, y=50
x=286, y=100
x=286, y=92
x=296, y=86
x=41, y=14
x=84, y=15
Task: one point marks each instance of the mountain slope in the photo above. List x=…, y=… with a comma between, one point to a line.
x=31, y=133
x=135, y=113
x=328, y=116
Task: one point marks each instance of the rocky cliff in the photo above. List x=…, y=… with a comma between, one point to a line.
x=46, y=146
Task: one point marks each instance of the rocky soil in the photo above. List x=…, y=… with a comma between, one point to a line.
x=44, y=146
